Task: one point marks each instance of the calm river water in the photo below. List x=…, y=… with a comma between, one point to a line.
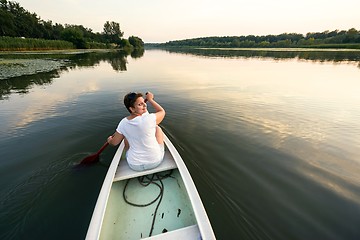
x=271, y=138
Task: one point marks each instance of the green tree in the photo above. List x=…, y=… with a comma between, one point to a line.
x=75, y=36
x=235, y=43
x=7, y=26
x=112, y=32
x=136, y=42
x=15, y=21
x=351, y=36
x=125, y=44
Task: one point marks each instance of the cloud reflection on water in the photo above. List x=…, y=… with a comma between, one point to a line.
x=44, y=101
x=287, y=103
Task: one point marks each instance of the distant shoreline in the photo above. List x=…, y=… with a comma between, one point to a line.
x=79, y=51
x=307, y=49
x=274, y=49
x=349, y=39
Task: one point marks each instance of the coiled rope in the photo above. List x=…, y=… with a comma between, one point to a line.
x=145, y=181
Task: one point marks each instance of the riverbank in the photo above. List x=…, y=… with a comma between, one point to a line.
x=303, y=49
x=334, y=46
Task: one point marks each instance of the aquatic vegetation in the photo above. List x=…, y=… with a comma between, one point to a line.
x=18, y=67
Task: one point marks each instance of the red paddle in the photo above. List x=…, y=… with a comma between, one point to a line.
x=94, y=157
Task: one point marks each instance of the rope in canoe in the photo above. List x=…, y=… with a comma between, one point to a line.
x=145, y=181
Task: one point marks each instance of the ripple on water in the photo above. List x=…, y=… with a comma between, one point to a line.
x=21, y=204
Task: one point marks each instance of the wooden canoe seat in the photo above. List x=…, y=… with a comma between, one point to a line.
x=123, y=171
x=191, y=232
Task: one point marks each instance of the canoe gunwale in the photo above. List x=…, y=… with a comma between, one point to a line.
x=202, y=219
x=94, y=229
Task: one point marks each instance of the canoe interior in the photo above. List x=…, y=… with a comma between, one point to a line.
x=123, y=221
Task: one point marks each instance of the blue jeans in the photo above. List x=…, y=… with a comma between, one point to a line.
x=148, y=166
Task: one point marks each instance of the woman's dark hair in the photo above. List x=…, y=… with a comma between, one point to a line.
x=130, y=99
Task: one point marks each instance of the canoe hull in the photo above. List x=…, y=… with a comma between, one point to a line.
x=176, y=214
x=124, y=221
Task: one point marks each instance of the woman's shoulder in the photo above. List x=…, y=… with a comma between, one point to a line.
x=142, y=117
x=149, y=115
x=123, y=121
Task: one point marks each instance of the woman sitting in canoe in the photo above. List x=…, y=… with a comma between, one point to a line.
x=143, y=137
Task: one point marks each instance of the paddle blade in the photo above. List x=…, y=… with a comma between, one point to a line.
x=90, y=159
x=94, y=157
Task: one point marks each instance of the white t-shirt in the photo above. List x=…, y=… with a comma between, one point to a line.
x=140, y=133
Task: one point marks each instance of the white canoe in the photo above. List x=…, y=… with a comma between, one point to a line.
x=180, y=214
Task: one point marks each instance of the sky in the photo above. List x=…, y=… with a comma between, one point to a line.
x=160, y=21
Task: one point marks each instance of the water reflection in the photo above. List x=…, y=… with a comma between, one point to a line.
x=137, y=53
x=20, y=72
x=271, y=143
x=278, y=54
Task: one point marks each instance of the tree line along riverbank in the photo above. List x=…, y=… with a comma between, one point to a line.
x=348, y=39
x=22, y=30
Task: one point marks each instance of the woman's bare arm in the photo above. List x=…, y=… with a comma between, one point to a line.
x=159, y=111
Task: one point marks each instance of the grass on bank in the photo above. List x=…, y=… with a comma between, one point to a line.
x=23, y=44
x=31, y=44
